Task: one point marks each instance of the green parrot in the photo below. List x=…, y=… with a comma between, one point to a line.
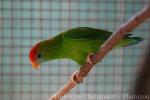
x=75, y=44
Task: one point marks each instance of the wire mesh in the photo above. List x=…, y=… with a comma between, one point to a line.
x=25, y=22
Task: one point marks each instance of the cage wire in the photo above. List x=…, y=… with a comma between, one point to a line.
x=25, y=22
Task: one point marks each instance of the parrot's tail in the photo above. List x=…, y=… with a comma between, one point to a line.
x=127, y=41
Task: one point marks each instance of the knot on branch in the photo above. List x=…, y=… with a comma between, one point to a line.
x=54, y=97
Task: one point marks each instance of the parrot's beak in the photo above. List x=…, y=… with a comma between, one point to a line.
x=36, y=65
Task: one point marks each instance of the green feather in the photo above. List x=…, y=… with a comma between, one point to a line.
x=86, y=33
x=77, y=43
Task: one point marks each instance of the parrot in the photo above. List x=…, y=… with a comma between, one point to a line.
x=74, y=44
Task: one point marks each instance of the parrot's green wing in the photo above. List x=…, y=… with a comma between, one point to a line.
x=79, y=42
x=83, y=33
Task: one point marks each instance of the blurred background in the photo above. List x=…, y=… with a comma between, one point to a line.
x=25, y=22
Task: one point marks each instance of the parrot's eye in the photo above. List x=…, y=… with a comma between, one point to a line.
x=39, y=56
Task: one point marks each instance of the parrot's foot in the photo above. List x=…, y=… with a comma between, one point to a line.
x=75, y=77
x=89, y=58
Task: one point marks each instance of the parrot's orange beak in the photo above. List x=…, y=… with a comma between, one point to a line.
x=33, y=58
x=35, y=65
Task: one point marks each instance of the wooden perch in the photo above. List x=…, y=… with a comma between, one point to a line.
x=78, y=76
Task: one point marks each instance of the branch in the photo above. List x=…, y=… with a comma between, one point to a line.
x=127, y=27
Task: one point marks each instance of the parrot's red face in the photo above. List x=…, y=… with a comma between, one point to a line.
x=33, y=56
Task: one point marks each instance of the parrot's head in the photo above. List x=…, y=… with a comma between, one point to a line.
x=37, y=54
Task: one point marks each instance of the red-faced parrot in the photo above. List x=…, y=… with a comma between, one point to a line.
x=75, y=44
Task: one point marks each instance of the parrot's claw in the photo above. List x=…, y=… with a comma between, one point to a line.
x=74, y=77
x=89, y=58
